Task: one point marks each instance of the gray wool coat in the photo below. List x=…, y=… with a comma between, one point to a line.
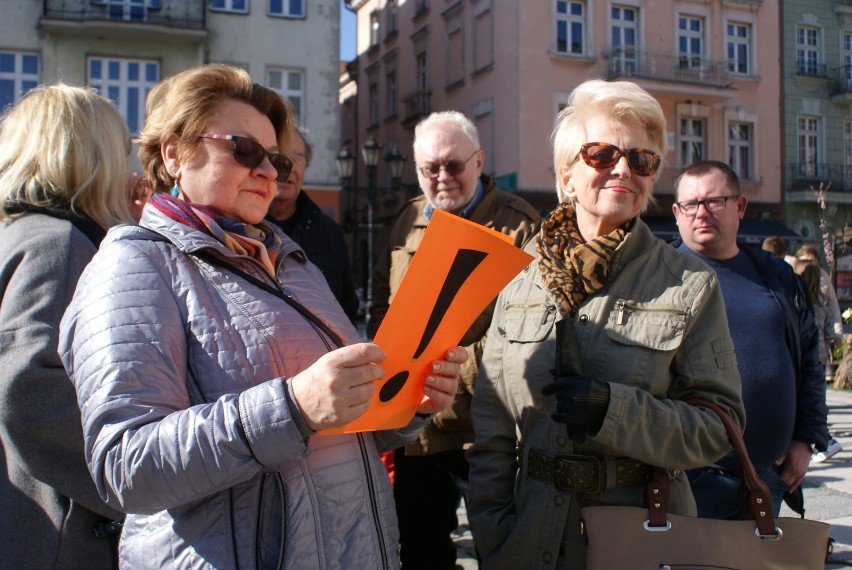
x=48, y=502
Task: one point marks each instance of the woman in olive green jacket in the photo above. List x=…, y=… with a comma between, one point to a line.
x=595, y=348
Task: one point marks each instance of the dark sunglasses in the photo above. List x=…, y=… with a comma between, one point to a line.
x=250, y=154
x=453, y=167
x=641, y=161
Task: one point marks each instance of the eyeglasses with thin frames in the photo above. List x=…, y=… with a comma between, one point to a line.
x=601, y=155
x=712, y=205
x=250, y=153
x=453, y=167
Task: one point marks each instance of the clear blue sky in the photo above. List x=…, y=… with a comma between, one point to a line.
x=347, y=34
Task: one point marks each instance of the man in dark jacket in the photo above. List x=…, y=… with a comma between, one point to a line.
x=319, y=236
x=775, y=341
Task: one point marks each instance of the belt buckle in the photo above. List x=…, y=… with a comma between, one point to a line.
x=566, y=464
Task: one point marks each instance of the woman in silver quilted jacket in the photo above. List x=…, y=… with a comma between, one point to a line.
x=207, y=354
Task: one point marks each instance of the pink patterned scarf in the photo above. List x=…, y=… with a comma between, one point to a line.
x=244, y=239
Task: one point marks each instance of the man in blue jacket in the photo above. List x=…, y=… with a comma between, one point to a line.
x=775, y=340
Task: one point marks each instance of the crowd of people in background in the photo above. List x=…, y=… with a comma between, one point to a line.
x=175, y=343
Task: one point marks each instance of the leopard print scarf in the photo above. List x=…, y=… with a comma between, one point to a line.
x=572, y=268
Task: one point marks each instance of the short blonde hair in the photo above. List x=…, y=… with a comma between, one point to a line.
x=623, y=101
x=69, y=143
x=183, y=104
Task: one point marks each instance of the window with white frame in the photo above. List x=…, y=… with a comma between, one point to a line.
x=128, y=10
x=808, y=142
x=290, y=84
x=740, y=149
x=847, y=155
x=739, y=48
x=19, y=72
x=807, y=50
x=126, y=82
x=624, y=22
x=390, y=94
x=236, y=6
x=846, y=75
x=287, y=8
x=692, y=140
x=374, y=28
x=570, y=26
x=690, y=42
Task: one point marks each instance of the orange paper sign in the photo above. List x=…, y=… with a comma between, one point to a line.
x=458, y=269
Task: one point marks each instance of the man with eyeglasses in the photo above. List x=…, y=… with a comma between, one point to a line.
x=428, y=472
x=775, y=341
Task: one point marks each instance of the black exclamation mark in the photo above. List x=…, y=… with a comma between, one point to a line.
x=466, y=261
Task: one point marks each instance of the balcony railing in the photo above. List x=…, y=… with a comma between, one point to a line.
x=184, y=15
x=842, y=81
x=811, y=69
x=631, y=63
x=417, y=106
x=805, y=175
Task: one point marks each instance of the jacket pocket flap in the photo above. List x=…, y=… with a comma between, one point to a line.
x=528, y=323
x=650, y=325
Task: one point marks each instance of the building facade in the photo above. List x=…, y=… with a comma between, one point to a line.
x=817, y=88
x=509, y=66
x=124, y=47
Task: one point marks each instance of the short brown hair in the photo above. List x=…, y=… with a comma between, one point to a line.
x=775, y=246
x=182, y=104
x=702, y=167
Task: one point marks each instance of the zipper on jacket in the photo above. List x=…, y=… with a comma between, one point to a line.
x=373, y=500
x=282, y=489
x=624, y=309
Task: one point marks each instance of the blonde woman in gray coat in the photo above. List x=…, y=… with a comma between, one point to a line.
x=595, y=348
x=63, y=183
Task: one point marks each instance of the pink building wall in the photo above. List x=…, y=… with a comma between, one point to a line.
x=515, y=98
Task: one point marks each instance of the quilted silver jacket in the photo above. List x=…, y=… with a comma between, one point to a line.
x=658, y=334
x=181, y=369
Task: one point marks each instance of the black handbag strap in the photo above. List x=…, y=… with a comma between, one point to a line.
x=759, y=498
x=300, y=308
x=145, y=233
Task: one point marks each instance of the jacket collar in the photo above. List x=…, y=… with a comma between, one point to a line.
x=189, y=240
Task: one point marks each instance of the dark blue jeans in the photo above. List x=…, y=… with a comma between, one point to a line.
x=716, y=492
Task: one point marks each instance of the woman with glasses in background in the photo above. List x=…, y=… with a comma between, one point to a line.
x=594, y=349
x=208, y=352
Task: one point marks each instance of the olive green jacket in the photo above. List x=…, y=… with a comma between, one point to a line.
x=658, y=333
x=498, y=210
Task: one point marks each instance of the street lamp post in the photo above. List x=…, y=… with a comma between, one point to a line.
x=345, y=168
x=371, y=152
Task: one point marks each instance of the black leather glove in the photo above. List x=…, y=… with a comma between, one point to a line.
x=580, y=402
